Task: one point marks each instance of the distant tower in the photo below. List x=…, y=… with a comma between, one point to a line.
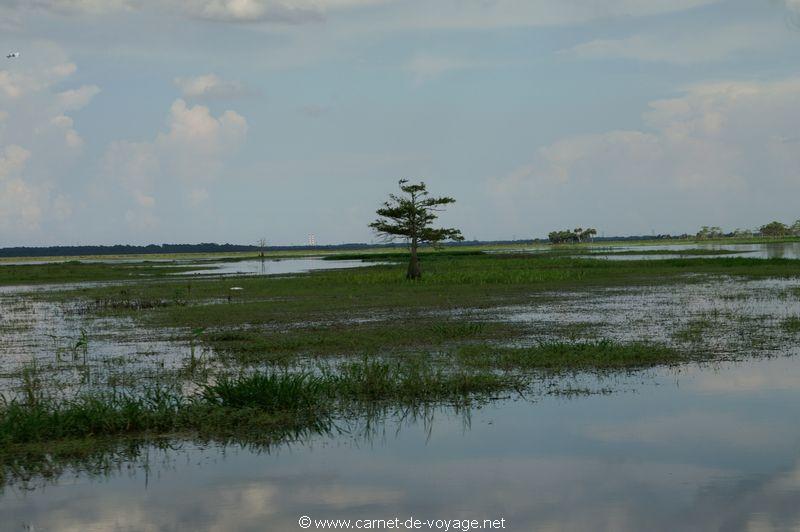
x=312, y=240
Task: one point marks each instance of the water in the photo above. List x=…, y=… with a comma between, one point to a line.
x=271, y=266
x=784, y=250
x=706, y=448
x=737, y=317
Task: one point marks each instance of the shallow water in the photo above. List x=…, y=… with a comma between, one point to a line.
x=701, y=449
x=738, y=317
x=270, y=267
x=784, y=250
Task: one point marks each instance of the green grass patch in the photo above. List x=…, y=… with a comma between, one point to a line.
x=694, y=330
x=683, y=252
x=791, y=324
x=381, y=338
x=571, y=356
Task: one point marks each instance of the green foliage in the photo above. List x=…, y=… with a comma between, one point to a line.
x=411, y=215
x=791, y=324
x=707, y=232
x=576, y=236
x=281, y=392
x=571, y=356
x=775, y=229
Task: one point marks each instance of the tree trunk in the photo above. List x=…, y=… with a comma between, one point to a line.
x=414, y=271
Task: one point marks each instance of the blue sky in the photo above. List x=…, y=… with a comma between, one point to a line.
x=143, y=121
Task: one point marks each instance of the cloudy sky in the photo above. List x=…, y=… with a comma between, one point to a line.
x=141, y=121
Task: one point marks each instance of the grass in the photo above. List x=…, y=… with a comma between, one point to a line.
x=247, y=347
x=694, y=330
x=791, y=324
x=276, y=406
x=449, y=282
x=75, y=271
x=682, y=252
x=572, y=356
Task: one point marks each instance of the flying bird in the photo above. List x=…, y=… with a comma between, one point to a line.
x=12, y=55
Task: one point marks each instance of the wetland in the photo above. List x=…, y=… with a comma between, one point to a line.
x=336, y=387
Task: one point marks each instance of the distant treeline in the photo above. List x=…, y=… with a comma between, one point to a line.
x=153, y=249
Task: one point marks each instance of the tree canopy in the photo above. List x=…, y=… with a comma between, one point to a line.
x=410, y=216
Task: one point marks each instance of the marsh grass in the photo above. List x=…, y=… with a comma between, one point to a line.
x=791, y=324
x=275, y=406
x=572, y=356
x=398, y=335
x=694, y=330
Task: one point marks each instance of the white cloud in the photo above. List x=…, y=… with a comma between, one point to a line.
x=682, y=48
x=21, y=204
x=209, y=86
x=12, y=160
x=425, y=67
x=188, y=156
x=17, y=83
x=74, y=99
x=196, y=142
x=720, y=151
x=38, y=140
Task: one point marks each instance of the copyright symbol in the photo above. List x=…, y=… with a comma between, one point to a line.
x=304, y=521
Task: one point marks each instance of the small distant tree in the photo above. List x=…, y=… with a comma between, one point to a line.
x=262, y=245
x=774, y=229
x=796, y=228
x=409, y=216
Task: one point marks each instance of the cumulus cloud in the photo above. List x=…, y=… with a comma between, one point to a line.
x=21, y=203
x=187, y=157
x=79, y=98
x=719, y=151
x=209, y=86
x=12, y=160
x=251, y=11
x=38, y=139
x=196, y=142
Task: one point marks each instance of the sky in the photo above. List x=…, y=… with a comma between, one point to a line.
x=167, y=121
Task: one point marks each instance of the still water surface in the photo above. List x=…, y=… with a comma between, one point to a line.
x=703, y=448
x=781, y=250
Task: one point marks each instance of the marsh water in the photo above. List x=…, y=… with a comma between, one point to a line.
x=703, y=448
x=778, y=250
x=272, y=266
x=696, y=447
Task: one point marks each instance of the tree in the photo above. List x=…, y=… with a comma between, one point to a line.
x=709, y=232
x=572, y=237
x=410, y=216
x=774, y=229
x=586, y=234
